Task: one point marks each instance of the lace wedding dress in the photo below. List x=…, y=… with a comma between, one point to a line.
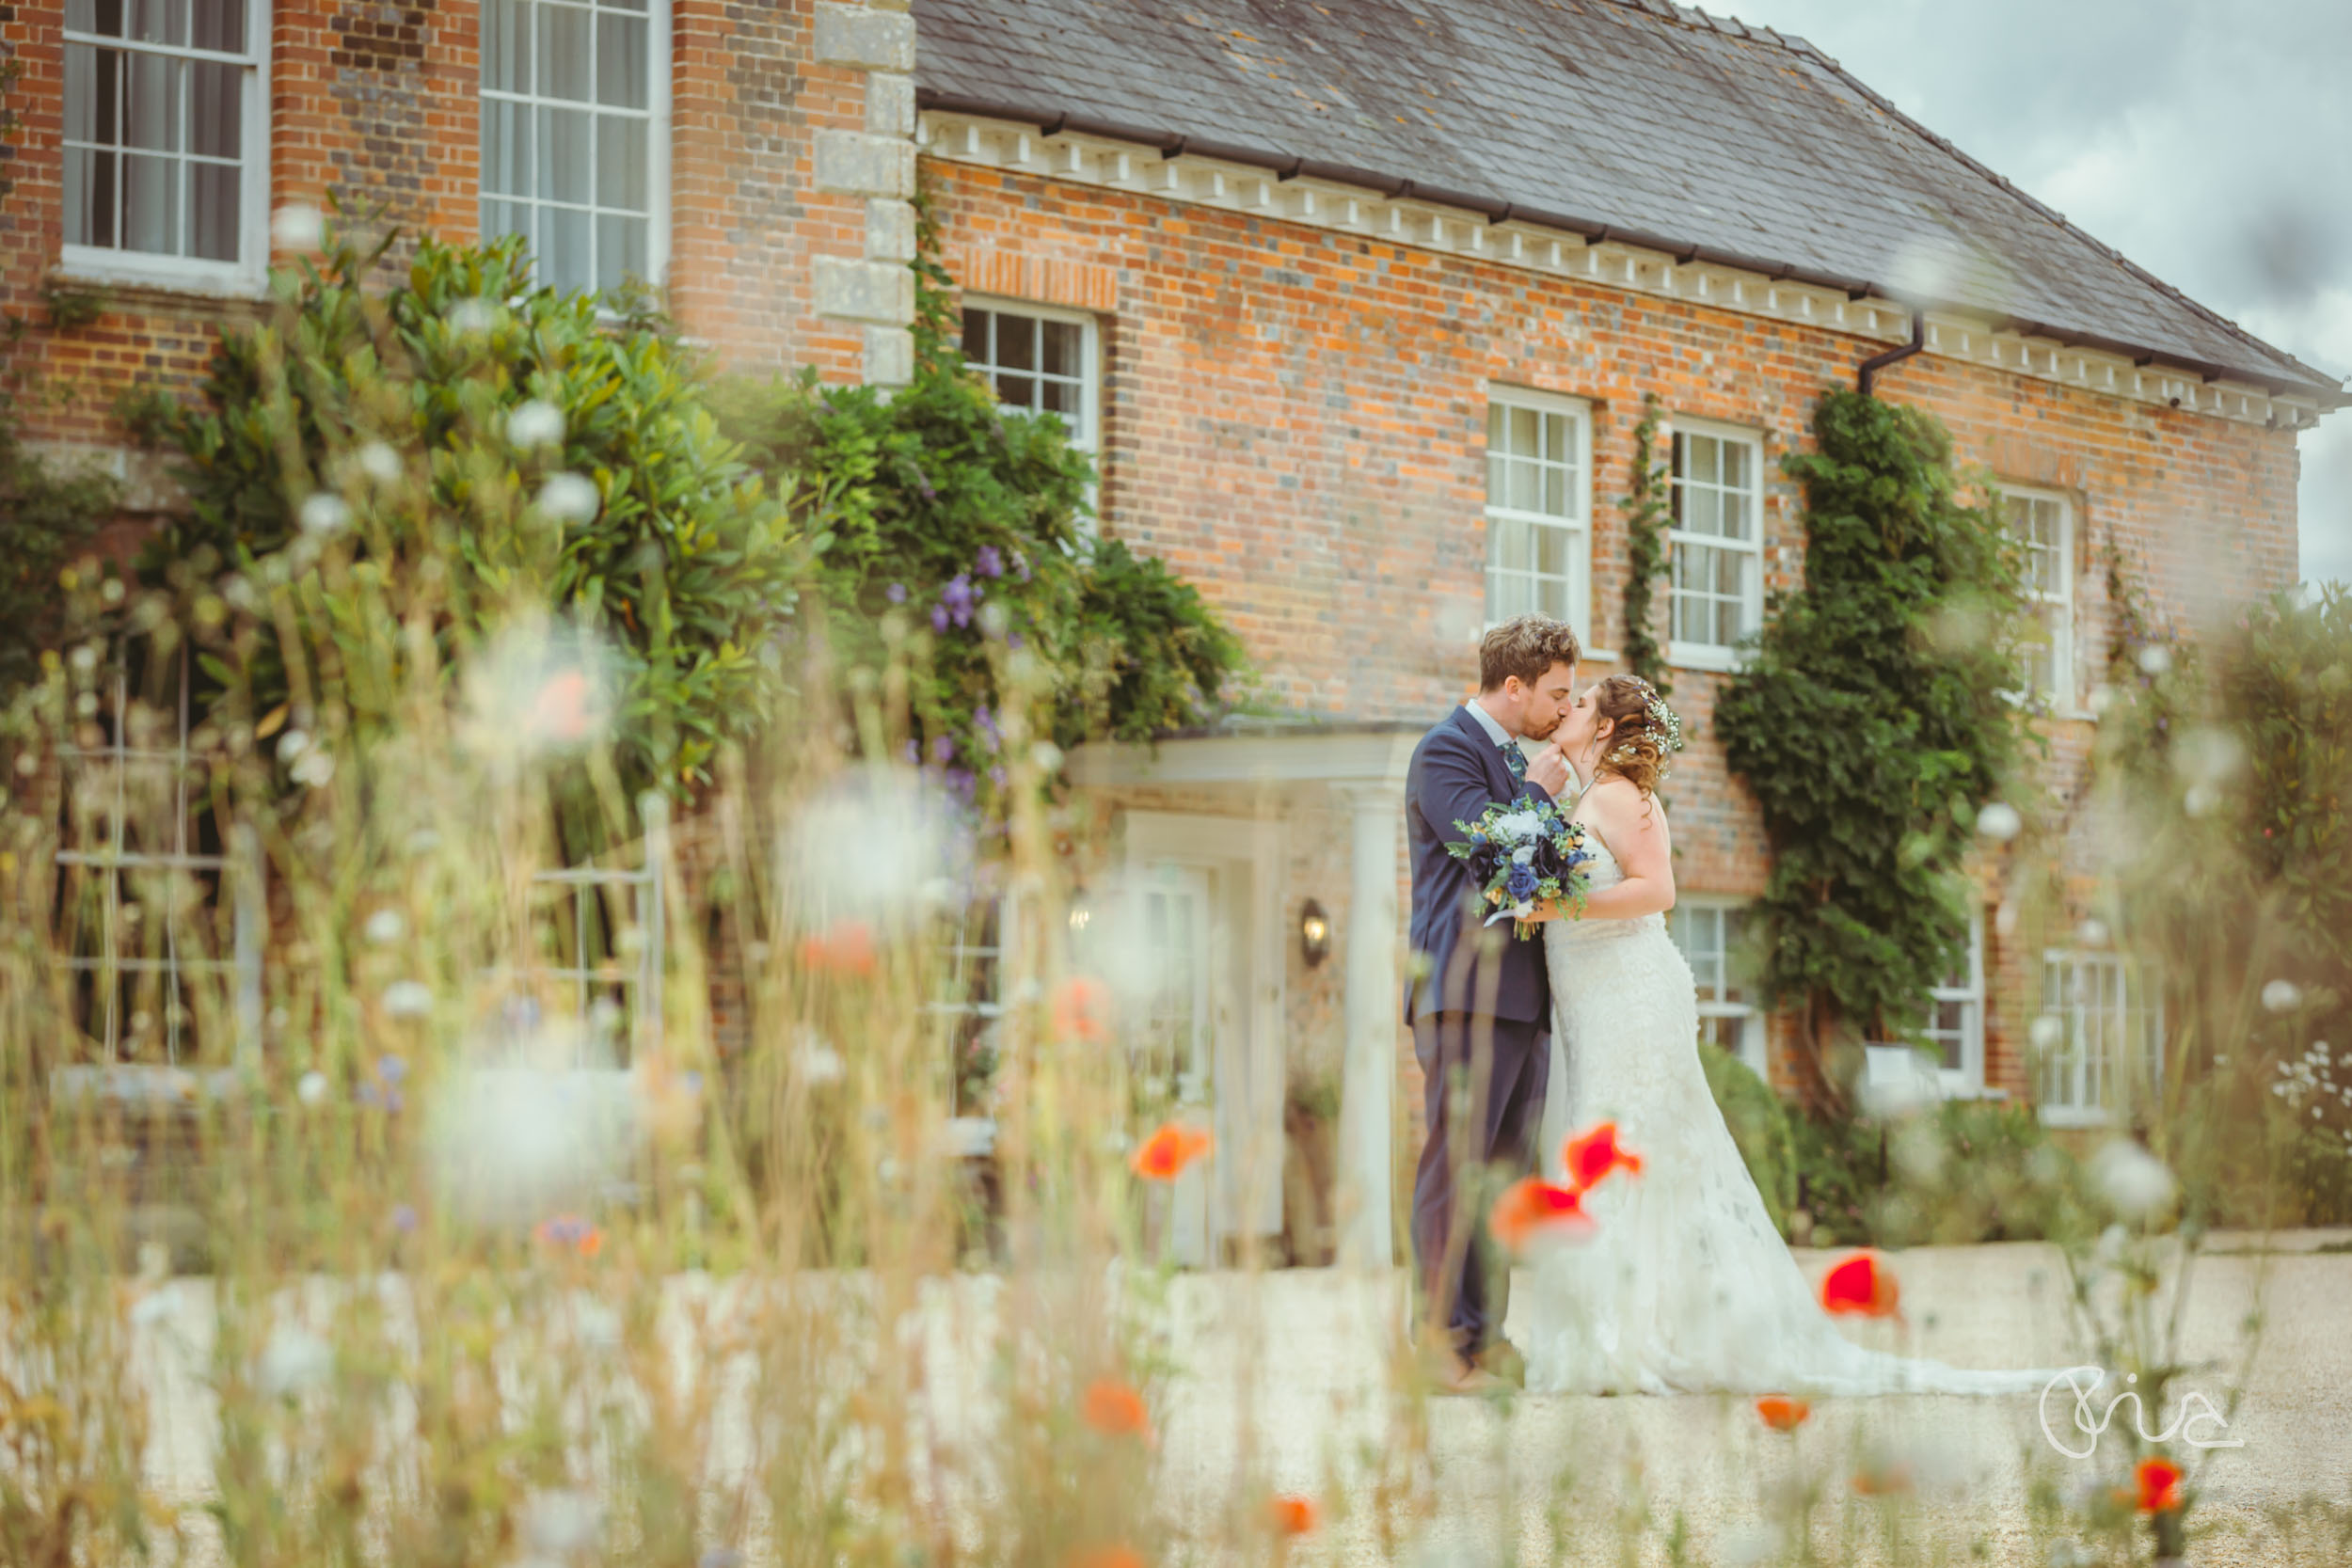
x=1684, y=1285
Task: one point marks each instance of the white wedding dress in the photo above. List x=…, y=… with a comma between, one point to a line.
x=1684, y=1286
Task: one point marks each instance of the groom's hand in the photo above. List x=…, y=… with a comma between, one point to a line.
x=1548, y=770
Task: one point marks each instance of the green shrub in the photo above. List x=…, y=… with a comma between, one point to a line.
x=46, y=517
x=1871, y=724
x=1759, y=1124
x=1958, y=1172
x=398, y=406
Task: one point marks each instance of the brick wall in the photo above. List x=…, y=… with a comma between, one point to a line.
x=377, y=105
x=1295, y=420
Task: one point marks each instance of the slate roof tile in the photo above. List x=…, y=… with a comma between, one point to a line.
x=1632, y=114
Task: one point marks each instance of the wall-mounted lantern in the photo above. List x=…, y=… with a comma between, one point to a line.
x=1314, y=933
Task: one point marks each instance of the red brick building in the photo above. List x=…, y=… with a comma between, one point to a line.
x=1358, y=306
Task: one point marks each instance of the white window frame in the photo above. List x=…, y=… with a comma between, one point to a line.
x=1578, y=493
x=1718, y=656
x=1966, y=1081
x=2061, y=694
x=1749, y=1016
x=2090, y=1081
x=1085, y=433
x=658, y=63
x=248, y=275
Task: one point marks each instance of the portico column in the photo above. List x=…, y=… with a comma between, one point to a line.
x=1367, y=1073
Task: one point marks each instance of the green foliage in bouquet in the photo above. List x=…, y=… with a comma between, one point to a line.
x=1872, y=724
x=386, y=425
x=962, y=527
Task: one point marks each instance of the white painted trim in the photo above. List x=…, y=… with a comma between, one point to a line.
x=1307, y=756
x=247, y=277
x=1968, y=1082
x=1716, y=656
x=1088, y=437
x=1577, y=411
x=2065, y=700
x=1357, y=209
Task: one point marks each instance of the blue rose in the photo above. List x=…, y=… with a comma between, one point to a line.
x=1522, y=882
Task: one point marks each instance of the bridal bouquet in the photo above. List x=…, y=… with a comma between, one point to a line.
x=1523, y=852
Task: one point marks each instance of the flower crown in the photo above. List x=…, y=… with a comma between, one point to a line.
x=1662, y=719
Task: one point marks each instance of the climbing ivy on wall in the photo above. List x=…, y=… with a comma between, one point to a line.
x=1872, y=724
x=1649, y=514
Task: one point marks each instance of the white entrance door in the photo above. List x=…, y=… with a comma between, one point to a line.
x=1177, y=1042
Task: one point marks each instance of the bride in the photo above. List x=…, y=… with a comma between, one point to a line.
x=1684, y=1285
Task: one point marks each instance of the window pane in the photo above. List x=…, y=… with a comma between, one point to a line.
x=90, y=95
x=1551, y=598
x=1016, y=344
x=159, y=21
x=214, y=109
x=566, y=40
x=506, y=217
x=219, y=25
x=1734, y=515
x=621, y=162
x=1498, y=433
x=621, y=62
x=214, y=200
x=150, y=205
x=1059, y=397
x=1506, y=543
x=566, y=138
x=94, y=16
x=1065, y=345
x=1017, y=391
x=1733, y=456
x=1523, y=439
x=1703, y=511
x=90, y=197
x=1728, y=628
x=505, y=150
x=151, y=102
x=1704, y=454
x=975, y=345
x=1555, y=431
x=1524, y=492
x=506, y=45
x=620, y=249
x=564, y=239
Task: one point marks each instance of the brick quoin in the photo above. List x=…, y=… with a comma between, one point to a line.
x=1295, y=420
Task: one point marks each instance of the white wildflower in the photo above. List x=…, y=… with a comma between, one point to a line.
x=292, y=745
x=297, y=226
x=2000, y=822
x=2155, y=659
x=407, y=998
x=560, y=1522
x=570, y=497
x=313, y=768
x=295, y=1359
x=534, y=424
x=386, y=926
x=473, y=316
x=312, y=1088
x=325, y=512
x=2135, y=1181
x=2281, y=996
x=2048, y=1032
x=380, y=462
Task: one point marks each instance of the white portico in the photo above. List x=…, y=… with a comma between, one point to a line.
x=1228, y=846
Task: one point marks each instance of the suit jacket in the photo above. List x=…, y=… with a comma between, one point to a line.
x=1457, y=771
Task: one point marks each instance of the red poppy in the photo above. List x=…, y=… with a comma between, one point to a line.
x=1290, y=1515
x=1164, y=1154
x=1781, y=1413
x=1082, y=1010
x=2159, y=1481
x=1589, y=1156
x=845, y=947
x=1860, y=1286
x=1114, y=1409
x=1106, y=1556
x=1532, y=1207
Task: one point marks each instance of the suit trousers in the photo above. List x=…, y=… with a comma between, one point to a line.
x=1495, y=1145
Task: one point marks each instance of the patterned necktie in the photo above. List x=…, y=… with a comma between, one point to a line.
x=1514, y=759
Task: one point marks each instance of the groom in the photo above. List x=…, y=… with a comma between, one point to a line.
x=1480, y=1012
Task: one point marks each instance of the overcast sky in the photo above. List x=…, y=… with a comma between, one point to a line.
x=2209, y=142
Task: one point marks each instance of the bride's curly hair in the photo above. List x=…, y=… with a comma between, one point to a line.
x=1646, y=735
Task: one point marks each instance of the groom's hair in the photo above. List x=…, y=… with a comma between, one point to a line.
x=1525, y=646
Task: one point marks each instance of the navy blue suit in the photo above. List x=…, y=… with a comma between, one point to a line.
x=1481, y=1011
